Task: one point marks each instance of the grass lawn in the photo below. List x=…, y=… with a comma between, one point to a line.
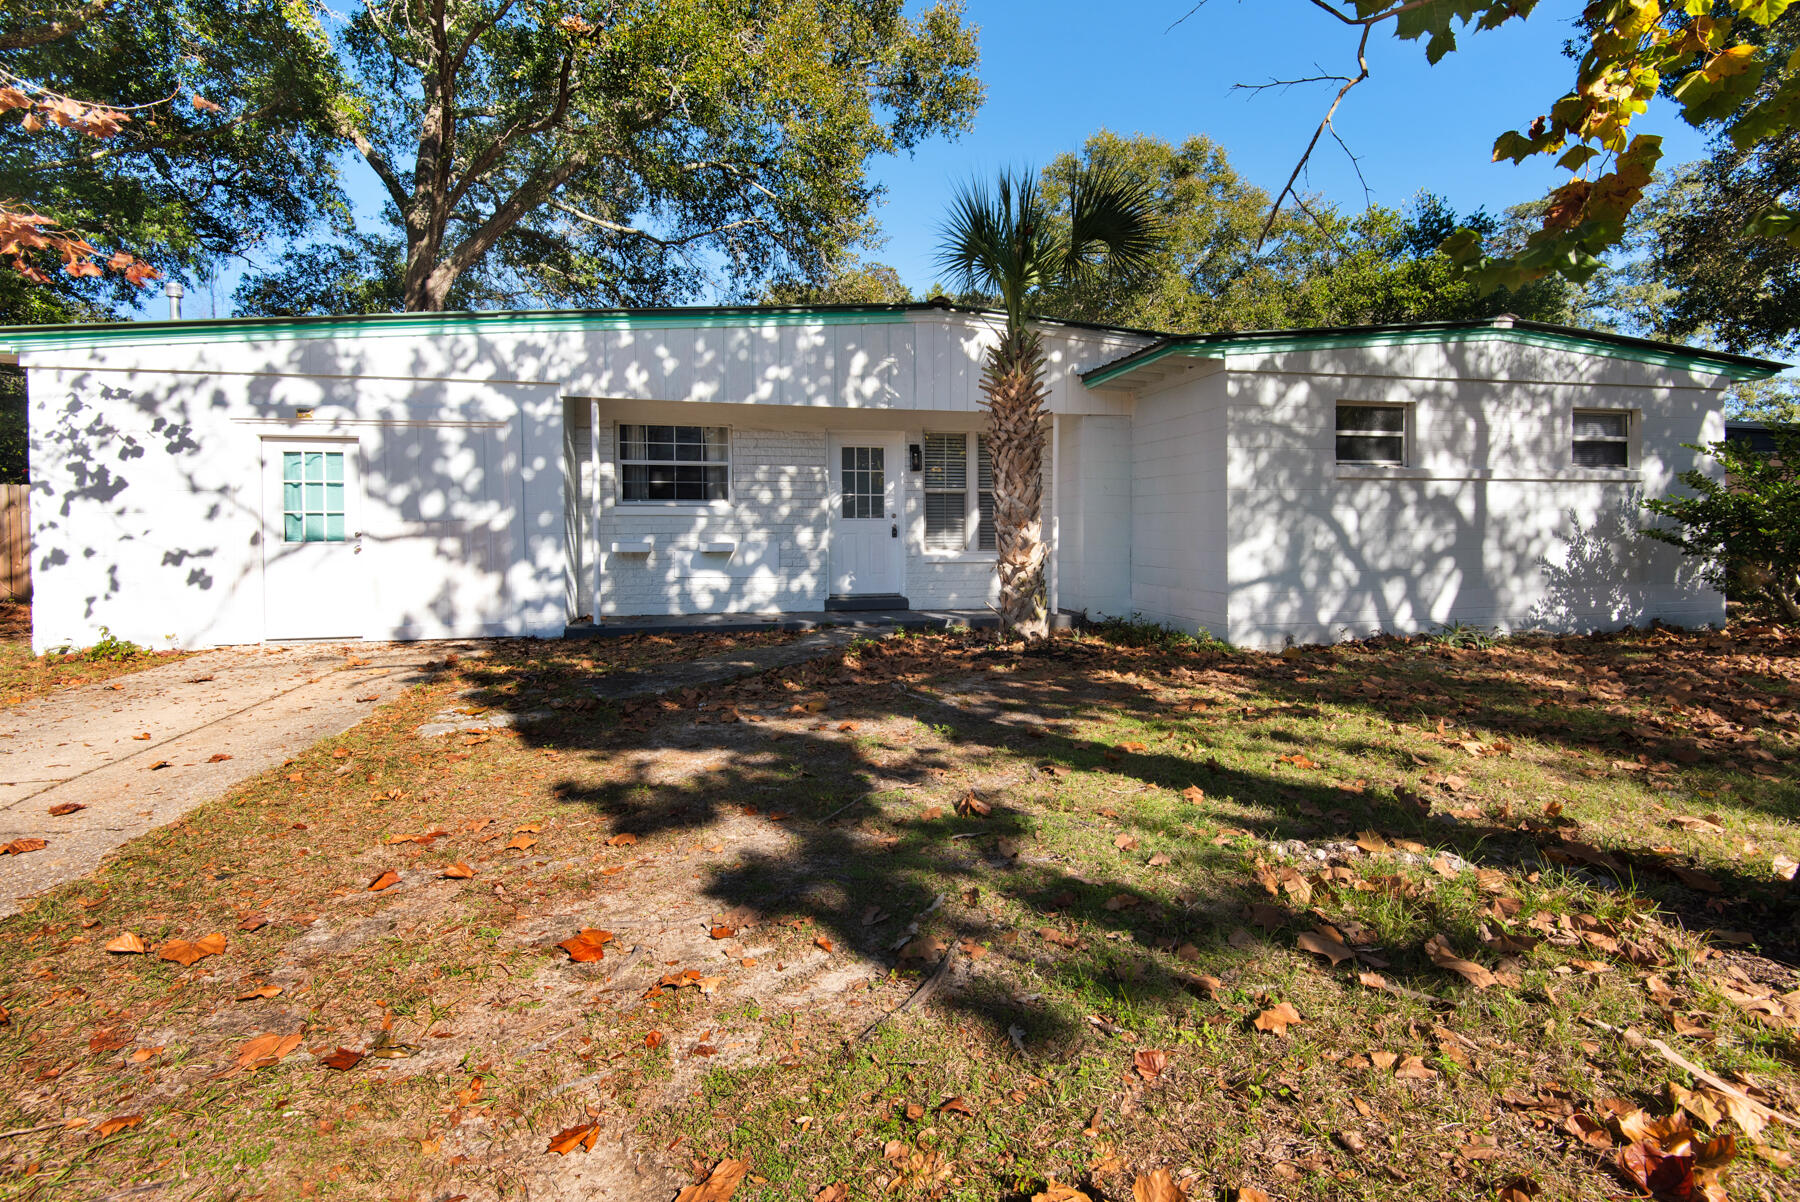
x=931, y=919
x=24, y=676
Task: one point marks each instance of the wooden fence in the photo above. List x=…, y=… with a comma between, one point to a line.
x=15, y=541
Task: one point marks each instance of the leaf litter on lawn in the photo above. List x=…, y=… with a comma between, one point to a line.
x=463, y=967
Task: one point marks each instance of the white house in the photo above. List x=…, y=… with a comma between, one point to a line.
x=458, y=474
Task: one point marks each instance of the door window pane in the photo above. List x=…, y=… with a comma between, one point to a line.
x=312, y=511
x=862, y=482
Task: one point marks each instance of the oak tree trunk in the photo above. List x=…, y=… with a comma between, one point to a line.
x=1013, y=384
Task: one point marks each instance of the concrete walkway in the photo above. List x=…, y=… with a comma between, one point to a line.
x=865, y=620
x=87, y=745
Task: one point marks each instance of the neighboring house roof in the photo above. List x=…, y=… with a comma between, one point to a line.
x=14, y=339
x=1505, y=328
x=1759, y=435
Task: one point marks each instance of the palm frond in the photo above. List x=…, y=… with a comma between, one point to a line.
x=998, y=239
x=1113, y=226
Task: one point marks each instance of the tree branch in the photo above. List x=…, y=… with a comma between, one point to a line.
x=384, y=170
x=484, y=162
x=529, y=195
x=60, y=28
x=667, y=243
x=1287, y=189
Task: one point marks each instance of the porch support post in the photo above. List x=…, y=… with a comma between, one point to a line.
x=594, y=511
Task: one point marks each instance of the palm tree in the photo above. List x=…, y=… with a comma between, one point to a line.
x=1006, y=241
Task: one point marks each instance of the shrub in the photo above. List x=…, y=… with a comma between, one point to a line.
x=1746, y=527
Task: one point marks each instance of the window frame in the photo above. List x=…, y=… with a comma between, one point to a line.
x=973, y=529
x=1404, y=434
x=1625, y=439
x=620, y=463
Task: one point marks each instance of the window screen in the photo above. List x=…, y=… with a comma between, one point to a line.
x=946, y=492
x=1602, y=439
x=674, y=463
x=312, y=496
x=1371, y=434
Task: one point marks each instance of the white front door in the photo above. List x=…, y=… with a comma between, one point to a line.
x=314, y=582
x=867, y=552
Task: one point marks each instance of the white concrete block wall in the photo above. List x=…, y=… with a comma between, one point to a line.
x=1488, y=523
x=1177, y=531
x=777, y=518
x=780, y=501
x=150, y=510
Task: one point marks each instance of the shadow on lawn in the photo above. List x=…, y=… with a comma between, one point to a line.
x=839, y=862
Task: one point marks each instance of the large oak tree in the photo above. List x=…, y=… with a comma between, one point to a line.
x=617, y=151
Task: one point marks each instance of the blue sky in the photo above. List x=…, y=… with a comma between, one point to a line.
x=1055, y=73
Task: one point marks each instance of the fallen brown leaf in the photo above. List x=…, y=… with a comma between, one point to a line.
x=1321, y=944
x=582, y=1136
x=1277, y=1019
x=127, y=944
x=261, y=991
x=265, y=1050
x=1150, y=1063
x=458, y=871
x=67, y=807
x=587, y=945
x=19, y=847
x=720, y=1184
x=1158, y=1186
x=185, y=953
x=386, y=880
x=1442, y=955
x=117, y=1124
x=343, y=1060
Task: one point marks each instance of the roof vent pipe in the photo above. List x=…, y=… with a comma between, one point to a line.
x=173, y=291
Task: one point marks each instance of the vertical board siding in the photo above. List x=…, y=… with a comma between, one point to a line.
x=15, y=542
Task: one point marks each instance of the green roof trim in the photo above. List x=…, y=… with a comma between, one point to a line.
x=1502, y=329
x=14, y=339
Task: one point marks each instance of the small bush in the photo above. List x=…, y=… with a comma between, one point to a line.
x=111, y=649
x=1462, y=634
x=1137, y=631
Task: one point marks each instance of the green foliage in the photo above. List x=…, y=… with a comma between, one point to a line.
x=1745, y=528
x=1139, y=632
x=856, y=283
x=109, y=648
x=1010, y=241
x=1464, y=635
x=181, y=185
x=14, y=438
x=597, y=152
x=1706, y=274
x=1207, y=273
x=1716, y=61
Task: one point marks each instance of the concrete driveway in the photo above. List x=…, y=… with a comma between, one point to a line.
x=142, y=750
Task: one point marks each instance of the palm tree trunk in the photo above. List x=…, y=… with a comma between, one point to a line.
x=1013, y=384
